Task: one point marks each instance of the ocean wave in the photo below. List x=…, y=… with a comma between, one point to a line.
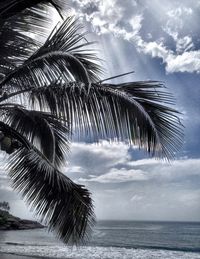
x=22, y=244
x=90, y=252
x=149, y=228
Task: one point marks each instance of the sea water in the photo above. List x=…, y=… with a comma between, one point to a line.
x=112, y=240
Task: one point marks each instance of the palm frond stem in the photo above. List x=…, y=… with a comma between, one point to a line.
x=117, y=76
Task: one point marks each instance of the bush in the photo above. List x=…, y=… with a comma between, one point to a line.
x=3, y=220
x=4, y=206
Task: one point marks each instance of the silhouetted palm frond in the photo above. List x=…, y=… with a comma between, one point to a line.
x=10, y=8
x=22, y=33
x=42, y=129
x=134, y=111
x=17, y=43
x=69, y=38
x=65, y=206
x=60, y=57
x=15, y=49
x=10, y=132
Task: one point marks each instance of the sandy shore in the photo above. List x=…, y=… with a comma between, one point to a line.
x=13, y=256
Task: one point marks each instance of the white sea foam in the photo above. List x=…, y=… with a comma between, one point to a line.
x=62, y=251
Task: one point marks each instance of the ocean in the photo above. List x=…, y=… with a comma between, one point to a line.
x=112, y=240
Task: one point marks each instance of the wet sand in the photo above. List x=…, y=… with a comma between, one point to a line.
x=13, y=256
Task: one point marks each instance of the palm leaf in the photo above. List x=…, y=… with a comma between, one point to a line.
x=149, y=123
x=17, y=44
x=42, y=129
x=9, y=131
x=134, y=111
x=15, y=49
x=10, y=8
x=68, y=38
x=59, y=57
x=65, y=206
x=44, y=70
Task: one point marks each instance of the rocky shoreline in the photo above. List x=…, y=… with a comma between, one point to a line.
x=10, y=222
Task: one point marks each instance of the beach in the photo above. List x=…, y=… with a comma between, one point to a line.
x=13, y=256
x=110, y=240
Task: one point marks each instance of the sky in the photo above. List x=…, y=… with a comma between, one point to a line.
x=159, y=40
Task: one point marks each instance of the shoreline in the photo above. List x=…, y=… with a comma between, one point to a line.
x=17, y=256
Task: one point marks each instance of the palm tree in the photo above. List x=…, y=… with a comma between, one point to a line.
x=51, y=88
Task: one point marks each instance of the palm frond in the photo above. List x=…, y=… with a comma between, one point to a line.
x=59, y=57
x=134, y=111
x=42, y=129
x=65, y=206
x=9, y=131
x=149, y=123
x=16, y=41
x=36, y=21
x=10, y=8
x=15, y=49
x=68, y=37
x=44, y=70
x=22, y=33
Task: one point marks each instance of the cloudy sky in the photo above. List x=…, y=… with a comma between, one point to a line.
x=159, y=41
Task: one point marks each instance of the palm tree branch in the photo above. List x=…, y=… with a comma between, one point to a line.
x=10, y=8
x=42, y=129
x=15, y=49
x=116, y=111
x=55, y=63
x=65, y=206
x=163, y=130
x=67, y=37
x=7, y=130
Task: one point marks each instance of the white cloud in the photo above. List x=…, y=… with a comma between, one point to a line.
x=153, y=48
x=118, y=176
x=5, y=187
x=112, y=163
x=174, y=26
x=141, y=189
x=75, y=169
x=157, y=171
x=125, y=20
x=96, y=157
x=136, y=198
x=180, y=12
x=186, y=62
x=148, y=170
x=184, y=44
x=127, y=189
